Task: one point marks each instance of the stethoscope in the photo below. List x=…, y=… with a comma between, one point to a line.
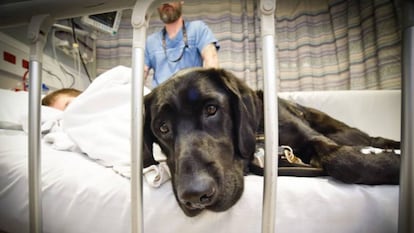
x=164, y=43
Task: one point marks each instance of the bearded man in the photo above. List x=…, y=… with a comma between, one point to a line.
x=180, y=44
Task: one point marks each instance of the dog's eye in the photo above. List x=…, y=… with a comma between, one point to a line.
x=211, y=110
x=164, y=128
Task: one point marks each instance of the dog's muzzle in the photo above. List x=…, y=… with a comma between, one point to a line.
x=198, y=192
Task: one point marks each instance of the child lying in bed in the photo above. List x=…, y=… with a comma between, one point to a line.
x=61, y=98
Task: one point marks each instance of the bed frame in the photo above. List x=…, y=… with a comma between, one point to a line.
x=37, y=34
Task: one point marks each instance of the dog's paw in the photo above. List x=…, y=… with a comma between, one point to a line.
x=348, y=164
x=384, y=143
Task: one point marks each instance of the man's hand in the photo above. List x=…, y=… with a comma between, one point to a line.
x=210, y=57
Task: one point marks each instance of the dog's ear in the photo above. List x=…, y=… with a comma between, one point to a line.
x=246, y=110
x=149, y=137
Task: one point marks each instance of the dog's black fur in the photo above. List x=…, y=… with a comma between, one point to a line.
x=206, y=121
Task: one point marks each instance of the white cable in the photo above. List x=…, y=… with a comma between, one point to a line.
x=61, y=66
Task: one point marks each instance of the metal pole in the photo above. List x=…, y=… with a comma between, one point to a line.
x=37, y=34
x=136, y=144
x=267, y=8
x=139, y=21
x=406, y=206
x=35, y=198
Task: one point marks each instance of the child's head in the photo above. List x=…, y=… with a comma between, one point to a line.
x=61, y=98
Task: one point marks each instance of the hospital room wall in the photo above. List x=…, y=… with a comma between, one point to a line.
x=59, y=69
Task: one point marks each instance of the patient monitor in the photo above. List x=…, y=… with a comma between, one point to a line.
x=105, y=22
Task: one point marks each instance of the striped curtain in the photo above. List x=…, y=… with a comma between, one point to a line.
x=320, y=44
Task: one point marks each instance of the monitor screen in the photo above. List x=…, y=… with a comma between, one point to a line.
x=105, y=22
x=105, y=18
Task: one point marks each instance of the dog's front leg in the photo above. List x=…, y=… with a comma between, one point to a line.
x=350, y=165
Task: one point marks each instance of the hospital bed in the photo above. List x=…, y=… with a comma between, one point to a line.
x=80, y=193
x=39, y=25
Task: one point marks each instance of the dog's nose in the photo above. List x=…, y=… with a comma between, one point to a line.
x=198, y=194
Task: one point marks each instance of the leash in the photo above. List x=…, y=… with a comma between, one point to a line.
x=288, y=163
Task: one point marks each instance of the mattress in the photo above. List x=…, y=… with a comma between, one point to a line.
x=80, y=195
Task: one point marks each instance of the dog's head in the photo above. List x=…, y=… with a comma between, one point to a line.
x=205, y=122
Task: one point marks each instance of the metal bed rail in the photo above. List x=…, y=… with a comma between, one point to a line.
x=140, y=18
x=406, y=204
x=267, y=9
x=37, y=35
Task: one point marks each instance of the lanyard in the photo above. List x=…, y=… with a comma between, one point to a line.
x=164, y=43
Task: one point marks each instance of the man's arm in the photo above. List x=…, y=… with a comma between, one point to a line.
x=210, y=57
x=146, y=72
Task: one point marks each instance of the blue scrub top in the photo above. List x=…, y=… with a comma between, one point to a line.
x=165, y=65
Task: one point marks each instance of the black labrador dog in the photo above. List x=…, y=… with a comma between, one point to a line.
x=206, y=120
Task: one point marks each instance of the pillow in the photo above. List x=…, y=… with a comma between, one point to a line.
x=14, y=110
x=13, y=106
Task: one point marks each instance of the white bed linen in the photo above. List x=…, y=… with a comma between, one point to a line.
x=80, y=195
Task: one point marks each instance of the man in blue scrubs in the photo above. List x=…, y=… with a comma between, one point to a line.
x=179, y=45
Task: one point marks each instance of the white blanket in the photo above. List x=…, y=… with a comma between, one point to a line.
x=97, y=123
x=98, y=120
